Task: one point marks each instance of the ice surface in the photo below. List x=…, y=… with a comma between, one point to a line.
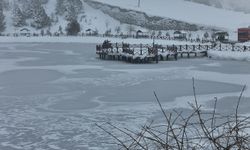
x=52, y=94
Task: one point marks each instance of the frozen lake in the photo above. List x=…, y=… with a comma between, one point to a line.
x=52, y=95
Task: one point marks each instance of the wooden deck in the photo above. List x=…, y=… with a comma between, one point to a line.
x=141, y=53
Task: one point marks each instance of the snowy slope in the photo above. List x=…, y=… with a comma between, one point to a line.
x=93, y=19
x=236, y=5
x=181, y=10
x=187, y=11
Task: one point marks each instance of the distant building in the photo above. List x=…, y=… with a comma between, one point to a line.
x=221, y=36
x=25, y=32
x=180, y=35
x=244, y=34
x=140, y=34
x=89, y=31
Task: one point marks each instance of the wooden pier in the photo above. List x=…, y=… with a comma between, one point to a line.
x=144, y=53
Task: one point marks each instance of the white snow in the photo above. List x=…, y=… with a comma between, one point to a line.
x=229, y=55
x=187, y=11
x=91, y=19
x=88, y=39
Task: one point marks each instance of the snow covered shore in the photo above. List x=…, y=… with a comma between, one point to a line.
x=229, y=55
x=225, y=55
x=86, y=39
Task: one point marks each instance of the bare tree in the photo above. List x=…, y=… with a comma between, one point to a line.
x=197, y=130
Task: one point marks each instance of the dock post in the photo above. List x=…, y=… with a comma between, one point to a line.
x=156, y=55
x=140, y=49
x=117, y=49
x=175, y=56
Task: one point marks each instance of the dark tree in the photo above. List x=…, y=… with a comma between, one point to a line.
x=42, y=32
x=27, y=8
x=18, y=17
x=70, y=13
x=60, y=7
x=60, y=30
x=78, y=6
x=73, y=28
x=39, y=16
x=2, y=17
x=206, y=35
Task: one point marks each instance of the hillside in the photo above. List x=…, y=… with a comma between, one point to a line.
x=121, y=17
x=188, y=12
x=239, y=5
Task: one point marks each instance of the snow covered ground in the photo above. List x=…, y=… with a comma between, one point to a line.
x=75, y=39
x=229, y=55
x=52, y=94
x=187, y=11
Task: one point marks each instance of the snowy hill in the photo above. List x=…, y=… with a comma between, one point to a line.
x=90, y=18
x=236, y=5
x=120, y=16
x=187, y=11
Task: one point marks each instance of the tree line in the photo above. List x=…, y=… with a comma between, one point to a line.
x=32, y=13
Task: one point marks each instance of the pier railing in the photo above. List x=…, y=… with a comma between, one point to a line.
x=155, y=52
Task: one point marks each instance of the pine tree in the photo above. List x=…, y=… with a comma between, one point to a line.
x=78, y=6
x=5, y=4
x=60, y=30
x=60, y=7
x=69, y=8
x=27, y=7
x=206, y=35
x=18, y=17
x=73, y=27
x=43, y=1
x=2, y=17
x=71, y=13
x=39, y=16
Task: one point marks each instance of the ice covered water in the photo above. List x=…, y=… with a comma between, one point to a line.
x=52, y=94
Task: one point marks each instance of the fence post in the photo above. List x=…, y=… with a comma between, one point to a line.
x=220, y=47
x=156, y=54
x=116, y=44
x=140, y=49
x=232, y=47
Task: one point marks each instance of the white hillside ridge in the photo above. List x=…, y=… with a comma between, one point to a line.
x=236, y=5
x=175, y=9
x=187, y=11
x=90, y=19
